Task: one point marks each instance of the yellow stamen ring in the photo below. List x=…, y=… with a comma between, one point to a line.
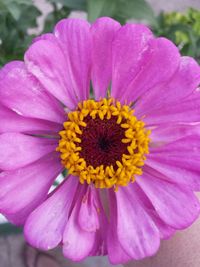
x=136, y=139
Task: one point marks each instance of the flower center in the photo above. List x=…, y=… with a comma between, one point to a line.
x=103, y=143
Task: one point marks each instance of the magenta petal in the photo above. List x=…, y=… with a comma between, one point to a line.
x=176, y=171
x=45, y=225
x=75, y=40
x=88, y=214
x=24, y=189
x=185, y=111
x=21, y=92
x=103, y=31
x=184, y=81
x=159, y=66
x=77, y=243
x=18, y=150
x=165, y=230
x=137, y=233
x=10, y=121
x=100, y=244
x=91, y=218
x=116, y=253
x=46, y=61
x=129, y=53
x=172, y=161
x=177, y=206
x=168, y=133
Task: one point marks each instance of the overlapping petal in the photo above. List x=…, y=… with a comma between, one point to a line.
x=184, y=81
x=75, y=40
x=18, y=150
x=10, y=121
x=132, y=218
x=21, y=92
x=173, y=162
x=77, y=242
x=103, y=31
x=176, y=113
x=165, y=231
x=46, y=232
x=116, y=253
x=22, y=190
x=175, y=204
x=130, y=50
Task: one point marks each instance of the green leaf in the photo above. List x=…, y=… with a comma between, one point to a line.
x=14, y=7
x=14, y=10
x=13, y=33
x=7, y=229
x=99, y=8
x=121, y=10
x=136, y=9
x=72, y=4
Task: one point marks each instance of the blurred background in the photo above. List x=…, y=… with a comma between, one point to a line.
x=20, y=22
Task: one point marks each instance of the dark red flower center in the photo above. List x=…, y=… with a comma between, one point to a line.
x=101, y=142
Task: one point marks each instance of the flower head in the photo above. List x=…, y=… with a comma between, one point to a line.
x=130, y=143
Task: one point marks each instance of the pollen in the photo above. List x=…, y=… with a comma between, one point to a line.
x=103, y=143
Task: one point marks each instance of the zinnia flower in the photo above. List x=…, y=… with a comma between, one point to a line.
x=119, y=109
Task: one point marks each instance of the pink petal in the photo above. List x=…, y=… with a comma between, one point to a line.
x=137, y=233
x=165, y=230
x=92, y=218
x=77, y=243
x=183, y=83
x=21, y=92
x=171, y=132
x=46, y=61
x=88, y=217
x=24, y=189
x=18, y=150
x=173, y=162
x=45, y=225
x=10, y=121
x=176, y=171
x=177, y=206
x=75, y=40
x=116, y=253
x=103, y=31
x=158, y=67
x=188, y=144
x=186, y=111
x=129, y=54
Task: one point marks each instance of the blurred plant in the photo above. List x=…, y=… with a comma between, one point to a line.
x=120, y=10
x=16, y=16
x=182, y=29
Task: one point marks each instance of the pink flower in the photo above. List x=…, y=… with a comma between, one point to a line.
x=132, y=151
